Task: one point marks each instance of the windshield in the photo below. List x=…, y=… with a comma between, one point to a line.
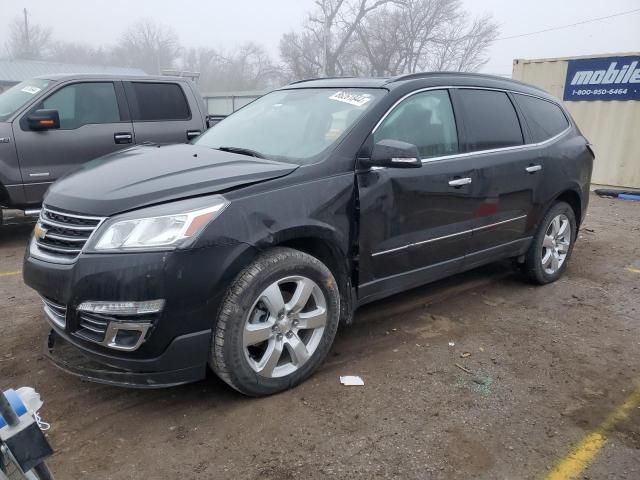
x=293, y=126
x=14, y=98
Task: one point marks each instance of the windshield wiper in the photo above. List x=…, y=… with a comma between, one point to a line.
x=242, y=151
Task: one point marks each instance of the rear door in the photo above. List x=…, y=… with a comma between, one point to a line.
x=94, y=121
x=508, y=173
x=161, y=113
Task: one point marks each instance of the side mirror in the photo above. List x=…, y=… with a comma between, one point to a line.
x=393, y=154
x=43, y=120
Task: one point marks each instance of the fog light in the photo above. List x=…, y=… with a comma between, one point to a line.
x=123, y=308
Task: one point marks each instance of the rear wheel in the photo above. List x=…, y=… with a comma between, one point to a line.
x=276, y=324
x=549, y=253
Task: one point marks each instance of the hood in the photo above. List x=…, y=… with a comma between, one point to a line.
x=143, y=176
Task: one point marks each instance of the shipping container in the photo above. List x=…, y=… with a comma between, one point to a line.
x=602, y=92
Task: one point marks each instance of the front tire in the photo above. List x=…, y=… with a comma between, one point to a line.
x=276, y=323
x=551, y=248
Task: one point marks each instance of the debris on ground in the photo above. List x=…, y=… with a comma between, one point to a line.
x=465, y=354
x=452, y=344
x=351, y=381
x=463, y=369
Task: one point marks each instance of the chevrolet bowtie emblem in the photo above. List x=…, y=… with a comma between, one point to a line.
x=39, y=232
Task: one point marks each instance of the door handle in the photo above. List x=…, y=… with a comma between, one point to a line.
x=533, y=168
x=459, y=182
x=123, y=137
x=191, y=134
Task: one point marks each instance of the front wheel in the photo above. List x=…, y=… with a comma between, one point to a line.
x=549, y=253
x=276, y=323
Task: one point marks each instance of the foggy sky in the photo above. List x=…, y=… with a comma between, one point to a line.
x=226, y=24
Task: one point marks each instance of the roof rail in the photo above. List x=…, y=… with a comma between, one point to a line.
x=417, y=75
x=317, y=78
x=412, y=76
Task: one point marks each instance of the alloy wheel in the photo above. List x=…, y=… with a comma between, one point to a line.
x=556, y=243
x=284, y=326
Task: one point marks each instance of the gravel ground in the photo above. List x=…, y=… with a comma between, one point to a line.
x=547, y=365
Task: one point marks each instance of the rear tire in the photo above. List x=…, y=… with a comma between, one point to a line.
x=276, y=323
x=552, y=245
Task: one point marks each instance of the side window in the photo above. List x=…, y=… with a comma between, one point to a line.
x=545, y=119
x=84, y=103
x=160, y=101
x=425, y=120
x=490, y=120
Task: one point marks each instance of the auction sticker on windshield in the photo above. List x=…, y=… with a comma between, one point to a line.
x=357, y=99
x=31, y=90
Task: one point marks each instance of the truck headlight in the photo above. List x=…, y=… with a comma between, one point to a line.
x=148, y=229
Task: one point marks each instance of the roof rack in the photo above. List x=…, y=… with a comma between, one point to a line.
x=317, y=78
x=414, y=76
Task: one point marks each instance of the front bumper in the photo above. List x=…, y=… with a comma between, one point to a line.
x=176, y=348
x=73, y=359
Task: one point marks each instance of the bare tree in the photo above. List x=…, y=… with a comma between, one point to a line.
x=247, y=68
x=149, y=46
x=70, y=52
x=424, y=35
x=465, y=48
x=302, y=55
x=387, y=38
x=27, y=40
x=327, y=35
x=380, y=49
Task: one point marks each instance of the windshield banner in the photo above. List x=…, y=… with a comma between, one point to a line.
x=609, y=78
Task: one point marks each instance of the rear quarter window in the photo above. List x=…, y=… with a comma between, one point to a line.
x=159, y=101
x=490, y=120
x=544, y=119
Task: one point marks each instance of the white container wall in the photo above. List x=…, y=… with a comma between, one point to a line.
x=612, y=126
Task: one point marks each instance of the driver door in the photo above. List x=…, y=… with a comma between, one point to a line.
x=415, y=224
x=94, y=121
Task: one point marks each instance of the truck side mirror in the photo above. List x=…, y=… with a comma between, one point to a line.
x=393, y=154
x=43, y=119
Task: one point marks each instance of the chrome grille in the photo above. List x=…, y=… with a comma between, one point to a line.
x=55, y=312
x=92, y=326
x=64, y=233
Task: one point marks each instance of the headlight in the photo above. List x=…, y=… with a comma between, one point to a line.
x=142, y=230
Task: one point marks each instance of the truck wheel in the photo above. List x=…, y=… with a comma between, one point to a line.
x=549, y=253
x=276, y=323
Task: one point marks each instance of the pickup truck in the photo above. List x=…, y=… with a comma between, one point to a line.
x=51, y=125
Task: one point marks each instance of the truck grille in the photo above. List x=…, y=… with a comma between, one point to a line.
x=64, y=233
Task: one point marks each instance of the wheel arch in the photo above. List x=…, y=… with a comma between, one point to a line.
x=322, y=244
x=574, y=199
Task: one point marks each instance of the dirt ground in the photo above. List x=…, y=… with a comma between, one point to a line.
x=548, y=364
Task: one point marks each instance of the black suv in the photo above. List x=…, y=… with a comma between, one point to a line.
x=244, y=250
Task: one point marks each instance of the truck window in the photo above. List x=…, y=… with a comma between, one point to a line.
x=84, y=103
x=159, y=101
x=425, y=120
x=545, y=119
x=490, y=120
